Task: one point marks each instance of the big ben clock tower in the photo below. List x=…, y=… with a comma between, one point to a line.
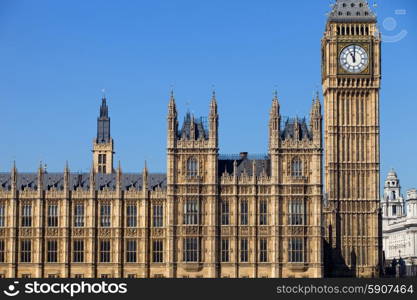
x=351, y=75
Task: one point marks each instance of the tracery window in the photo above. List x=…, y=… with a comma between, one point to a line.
x=191, y=249
x=244, y=212
x=2, y=215
x=296, y=167
x=191, y=211
x=105, y=215
x=225, y=212
x=132, y=215
x=26, y=251
x=158, y=215
x=79, y=215
x=157, y=251
x=296, y=248
x=131, y=251
x=52, y=251
x=296, y=212
x=52, y=215
x=192, y=167
x=78, y=254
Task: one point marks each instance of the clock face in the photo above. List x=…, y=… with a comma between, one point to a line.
x=354, y=59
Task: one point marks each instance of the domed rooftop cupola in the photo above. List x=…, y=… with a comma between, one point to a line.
x=392, y=179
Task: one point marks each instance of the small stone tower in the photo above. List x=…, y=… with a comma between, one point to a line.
x=103, y=144
x=393, y=202
x=192, y=191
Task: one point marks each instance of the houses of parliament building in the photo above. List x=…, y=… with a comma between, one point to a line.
x=301, y=210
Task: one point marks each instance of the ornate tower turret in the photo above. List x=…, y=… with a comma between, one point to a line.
x=393, y=202
x=316, y=121
x=274, y=124
x=192, y=154
x=92, y=182
x=213, y=121
x=14, y=179
x=103, y=145
x=172, y=122
x=40, y=180
x=66, y=179
x=119, y=179
x=145, y=176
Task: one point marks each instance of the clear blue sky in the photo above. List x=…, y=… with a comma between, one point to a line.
x=56, y=56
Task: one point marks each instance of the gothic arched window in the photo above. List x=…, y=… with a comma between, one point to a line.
x=296, y=167
x=192, y=167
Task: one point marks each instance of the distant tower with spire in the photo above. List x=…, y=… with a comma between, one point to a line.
x=103, y=147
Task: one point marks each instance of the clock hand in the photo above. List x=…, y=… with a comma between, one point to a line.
x=354, y=53
x=353, y=57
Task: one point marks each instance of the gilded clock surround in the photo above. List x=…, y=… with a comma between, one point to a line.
x=366, y=46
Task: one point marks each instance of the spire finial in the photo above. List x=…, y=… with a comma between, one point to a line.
x=213, y=103
x=171, y=91
x=14, y=168
x=275, y=92
x=66, y=169
x=234, y=168
x=103, y=92
x=145, y=177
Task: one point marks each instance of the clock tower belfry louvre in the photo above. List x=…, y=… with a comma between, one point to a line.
x=351, y=75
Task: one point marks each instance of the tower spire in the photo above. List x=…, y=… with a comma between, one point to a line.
x=213, y=104
x=275, y=103
x=172, y=109
x=145, y=178
x=103, y=123
x=103, y=144
x=14, y=173
x=213, y=120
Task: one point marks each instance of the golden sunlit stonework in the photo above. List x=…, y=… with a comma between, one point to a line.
x=214, y=215
x=351, y=86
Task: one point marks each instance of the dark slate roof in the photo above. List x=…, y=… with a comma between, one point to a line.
x=199, y=128
x=82, y=180
x=289, y=131
x=351, y=11
x=244, y=164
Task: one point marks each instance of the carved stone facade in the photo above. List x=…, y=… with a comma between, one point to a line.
x=214, y=215
x=211, y=215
